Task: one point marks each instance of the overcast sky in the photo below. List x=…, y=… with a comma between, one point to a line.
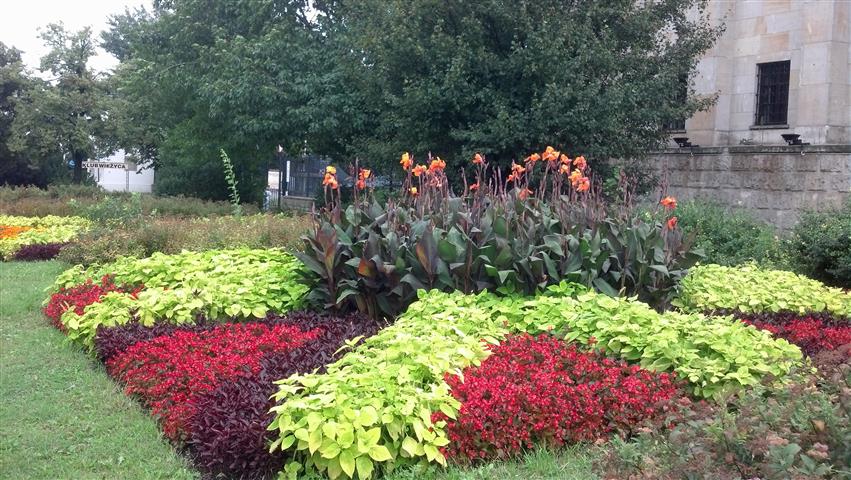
x=20, y=21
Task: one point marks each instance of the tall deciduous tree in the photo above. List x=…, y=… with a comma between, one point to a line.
x=501, y=77
x=67, y=112
x=200, y=76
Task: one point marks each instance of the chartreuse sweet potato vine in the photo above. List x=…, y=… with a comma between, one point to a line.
x=238, y=283
x=16, y=232
x=373, y=407
x=750, y=289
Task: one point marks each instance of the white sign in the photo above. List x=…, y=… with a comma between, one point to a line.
x=96, y=164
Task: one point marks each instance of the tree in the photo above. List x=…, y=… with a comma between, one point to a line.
x=504, y=77
x=66, y=113
x=197, y=77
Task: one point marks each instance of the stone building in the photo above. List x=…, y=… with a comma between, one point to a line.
x=780, y=67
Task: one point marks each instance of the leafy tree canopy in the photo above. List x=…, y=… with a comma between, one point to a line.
x=373, y=78
x=65, y=116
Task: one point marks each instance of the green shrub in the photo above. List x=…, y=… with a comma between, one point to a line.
x=57, y=200
x=801, y=430
x=373, y=407
x=731, y=236
x=240, y=284
x=821, y=243
x=750, y=289
x=111, y=211
x=172, y=235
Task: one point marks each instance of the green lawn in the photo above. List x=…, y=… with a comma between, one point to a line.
x=567, y=464
x=61, y=417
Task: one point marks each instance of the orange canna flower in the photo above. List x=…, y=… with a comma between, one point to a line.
x=564, y=169
x=436, y=164
x=550, y=154
x=533, y=158
x=364, y=173
x=478, y=159
x=524, y=194
x=669, y=202
x=672, y=223
x=565, y=159
x=414, y=191
x=361, y=184
x=474, y=187
x=419, y=170
x=584, y=185
x=329, y=170
x=406, y=161
x=574, y=177
x=580, y=163
x=327, y=179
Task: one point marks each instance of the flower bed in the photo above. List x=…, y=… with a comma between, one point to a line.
x=20, y=237
x=373, y=408
x=542, y=390
x=812, y=333
x=78, y=297
x=168, y=372
x=749, y=289
x=179, y=289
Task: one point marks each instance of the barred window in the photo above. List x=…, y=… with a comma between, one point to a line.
x=772, y=93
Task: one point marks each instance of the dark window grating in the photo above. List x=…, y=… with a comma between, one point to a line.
x=772, y=93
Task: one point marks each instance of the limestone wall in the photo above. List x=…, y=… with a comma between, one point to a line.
x=814, y=36
x=775, y=182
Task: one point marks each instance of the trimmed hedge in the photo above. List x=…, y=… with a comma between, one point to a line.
x=750, y=289
x=372, y=409
x=179, y=289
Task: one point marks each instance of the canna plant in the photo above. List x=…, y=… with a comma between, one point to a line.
x=545, y=222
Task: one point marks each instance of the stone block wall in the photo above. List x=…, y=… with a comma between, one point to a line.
x=776, y=183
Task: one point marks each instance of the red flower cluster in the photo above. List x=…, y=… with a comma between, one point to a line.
x=541, y=389
x=80, y=296
x=811, y=335
x=169, y=372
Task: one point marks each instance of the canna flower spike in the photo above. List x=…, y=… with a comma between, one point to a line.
x=669, y=202
x=406, y=161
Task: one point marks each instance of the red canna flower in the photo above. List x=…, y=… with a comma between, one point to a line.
x=360, y=184
x=524, y=194
x=669, y=202
x=474, y=187
x=672, y=223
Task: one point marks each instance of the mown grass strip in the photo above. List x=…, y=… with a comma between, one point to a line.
x=60, y=415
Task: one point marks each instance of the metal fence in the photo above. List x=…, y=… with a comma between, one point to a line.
x=302, y=178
